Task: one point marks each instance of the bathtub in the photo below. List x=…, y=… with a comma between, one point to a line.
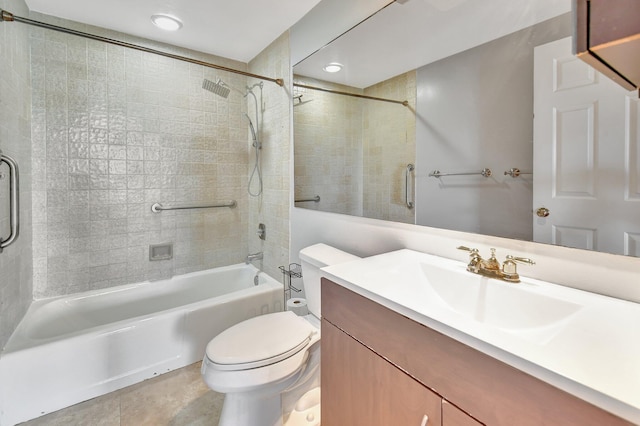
x=73, y=348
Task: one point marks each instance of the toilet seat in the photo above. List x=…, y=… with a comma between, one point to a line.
x=259, y=342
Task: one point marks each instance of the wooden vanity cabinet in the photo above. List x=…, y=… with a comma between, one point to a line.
x=453, y=416
x=381, y=368
x=607, y=37
x=365, y=389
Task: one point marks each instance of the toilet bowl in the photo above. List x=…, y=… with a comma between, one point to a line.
x=306, y=412
x=257, y=360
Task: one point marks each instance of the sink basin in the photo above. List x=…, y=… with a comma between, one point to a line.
x=510, y=307
x=444, y=290
x=573, y=339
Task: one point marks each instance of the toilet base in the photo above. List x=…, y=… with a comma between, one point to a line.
x=251, y=409
x=307, y=410
x=260, y=406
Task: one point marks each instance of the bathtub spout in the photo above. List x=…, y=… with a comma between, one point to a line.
x=252, y=257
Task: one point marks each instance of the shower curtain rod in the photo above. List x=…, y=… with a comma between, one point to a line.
x=355, y=95
x=8, y=16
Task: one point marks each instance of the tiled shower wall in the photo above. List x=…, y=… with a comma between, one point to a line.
x=353, y=152
x=115, y=130
x=272, y=207
x=15, y=261
x=328, y=148
x=389, y=135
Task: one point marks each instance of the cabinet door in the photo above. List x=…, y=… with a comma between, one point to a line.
x=361, y=388
x=453, y=416
x=607, y=38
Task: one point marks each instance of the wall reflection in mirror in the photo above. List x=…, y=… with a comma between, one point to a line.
x=472, y=110
x=352, y=152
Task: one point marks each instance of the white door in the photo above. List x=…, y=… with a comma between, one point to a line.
x=586, y=155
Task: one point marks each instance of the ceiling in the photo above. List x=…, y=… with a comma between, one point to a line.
x=409, y=34
x=415, y=32
x=234, y=29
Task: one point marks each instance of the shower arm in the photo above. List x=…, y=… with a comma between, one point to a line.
x=10, y=17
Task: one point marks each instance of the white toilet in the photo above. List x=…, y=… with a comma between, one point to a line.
x=255, y=361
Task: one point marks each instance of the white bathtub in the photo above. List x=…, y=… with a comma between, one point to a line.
x=73, y=348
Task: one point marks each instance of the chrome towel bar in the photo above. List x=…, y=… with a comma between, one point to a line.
x=14, y=199
x=486, y=172
x=514, y=172
x=157, y=207
x=315, y=199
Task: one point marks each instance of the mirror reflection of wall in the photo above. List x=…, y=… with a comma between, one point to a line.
x=474, y=109
x=353, y=152
x=478, y=113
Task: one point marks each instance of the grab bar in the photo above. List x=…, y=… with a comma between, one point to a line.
x=315, y=199
x=407, y=173
x=514, y=172
x=14, y=207
x=486, y=172
x=157, y=207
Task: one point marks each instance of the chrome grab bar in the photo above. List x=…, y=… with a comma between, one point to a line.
x=514, y=172
x=486, y=172
x=407, y=173
x=315, y=199
x=157, y=207
x=14, y=207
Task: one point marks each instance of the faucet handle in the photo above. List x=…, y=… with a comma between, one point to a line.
x=465, y=248
x=474, y=259
x=510, y=268
x=521, y=259
x=474, y=254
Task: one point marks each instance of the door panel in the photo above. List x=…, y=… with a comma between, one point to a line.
x=573, y=152
x=361, y=388
x=586, y=155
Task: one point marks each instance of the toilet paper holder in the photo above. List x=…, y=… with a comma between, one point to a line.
x=293, y=271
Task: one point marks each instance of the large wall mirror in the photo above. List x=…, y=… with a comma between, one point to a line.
x=472, y=116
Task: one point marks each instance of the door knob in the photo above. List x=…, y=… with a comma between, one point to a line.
x=542, y=212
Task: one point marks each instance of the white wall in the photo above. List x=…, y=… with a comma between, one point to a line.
x=475, y=111
x=608, y=274
x=326, y=21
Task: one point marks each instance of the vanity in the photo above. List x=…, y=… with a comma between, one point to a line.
x=414, y=339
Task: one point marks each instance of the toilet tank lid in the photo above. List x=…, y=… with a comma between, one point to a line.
x=322, y=255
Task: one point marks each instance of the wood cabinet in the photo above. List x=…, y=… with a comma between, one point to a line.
x=378, y=365
x=453, y=416
x=607, y=37
x=368, y=390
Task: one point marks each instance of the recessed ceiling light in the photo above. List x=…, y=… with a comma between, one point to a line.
x=166, y=22
x=332, y=67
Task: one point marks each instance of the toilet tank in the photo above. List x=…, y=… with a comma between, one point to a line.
x=313, y=258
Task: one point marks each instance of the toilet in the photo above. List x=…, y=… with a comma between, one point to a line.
x=255, y=361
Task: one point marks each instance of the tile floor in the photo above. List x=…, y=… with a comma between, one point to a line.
x=178, y=398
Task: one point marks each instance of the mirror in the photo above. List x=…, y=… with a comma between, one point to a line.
x=470, y=97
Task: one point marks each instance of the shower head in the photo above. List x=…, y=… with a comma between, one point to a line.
x=219, y=88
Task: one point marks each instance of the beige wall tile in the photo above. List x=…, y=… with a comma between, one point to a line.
x=272, y=206
x=16, y=278
x=116, y=130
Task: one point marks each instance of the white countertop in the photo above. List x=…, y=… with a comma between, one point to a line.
x=589, y=346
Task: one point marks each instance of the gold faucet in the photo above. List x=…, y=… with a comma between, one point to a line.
x=491, y=268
